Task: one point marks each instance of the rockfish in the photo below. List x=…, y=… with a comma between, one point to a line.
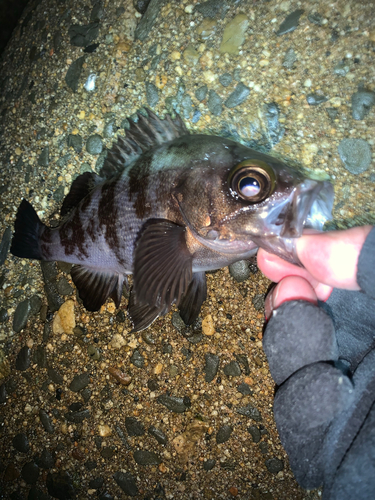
x=167, y=207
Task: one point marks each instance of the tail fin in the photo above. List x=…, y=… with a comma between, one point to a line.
x=26, y=237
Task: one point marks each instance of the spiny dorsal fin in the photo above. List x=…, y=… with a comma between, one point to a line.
x=141, y=136
x=80, y=188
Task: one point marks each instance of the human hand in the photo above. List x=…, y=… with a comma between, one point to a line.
x=329, y=259
x=323, y=360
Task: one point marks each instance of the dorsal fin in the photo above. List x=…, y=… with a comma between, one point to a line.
x=142, y=135
x=78, y=190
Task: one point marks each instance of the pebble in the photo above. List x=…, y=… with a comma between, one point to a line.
x=117, y=341
x=75, y=142
x=46, y=422
x=332, y=113
x=211, y=367
x=137, y=359
x=43, y=159
x=126, y=481
x=187, y=106
x=290, y=23
x=258, y=301
x=79, y=382
x=60, y=485
x=23, y=359
x=362, y=101
x=121, y=377
x=315, y=99
x=255, y=433
x=93, y=352
x=94, y=144
x=274, y=465
x=96, y=483
x=152, y=94
x=206, y=29
x=209, y=9
x=158, y=434
x=21, y=315
x=223, y=434
x=196, y=116
x=83, y=35
x=173, y=403
x=355, y=154
x=35, y=305
x=191, y=55
x=134, y=427
x=107, y=452
x=290, y=58
x=274, y=128
x=109, y=129
x=77, y=417
x=209, y=464
x=242, y=360
x=64, y=287
x=208, y=326
x=250, y=412
x=153, y=385
x=74, y=73
x=46, y=460
x=215, y=103
x=240, y=270
x=64, y=320
x=21, y=443
x=30, y=472
x=234, y=34
x=238, y=96
x=49, y=275
x=201, y=93
x=144, y=457
x=232, y=369
x=141, y=5
x=225, y=79
x=3, y=315
x=315, y=18
x=263, y=447
x=244, y=389
x=341, y=68
x=54, y=375
x=5, y=245
x=104, y=430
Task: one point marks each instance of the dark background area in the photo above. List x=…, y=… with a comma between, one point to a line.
x=10, y=12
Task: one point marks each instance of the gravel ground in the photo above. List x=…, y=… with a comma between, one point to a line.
x=87, y=409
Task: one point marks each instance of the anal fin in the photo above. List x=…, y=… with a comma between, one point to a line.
x=192, y=300
x=96, y=286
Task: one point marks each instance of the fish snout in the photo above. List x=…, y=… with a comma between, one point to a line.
x=310, y=207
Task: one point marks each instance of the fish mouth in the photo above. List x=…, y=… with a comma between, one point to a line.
x=309, y=206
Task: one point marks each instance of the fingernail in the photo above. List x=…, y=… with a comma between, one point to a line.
x=268, y=305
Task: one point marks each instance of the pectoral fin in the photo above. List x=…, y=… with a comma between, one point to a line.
x=95, y=286
x=162, y=265
x=142, y=315
x=192, y=300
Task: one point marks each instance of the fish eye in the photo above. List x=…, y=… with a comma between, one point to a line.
x=252, y=180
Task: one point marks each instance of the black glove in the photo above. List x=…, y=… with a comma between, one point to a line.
x=323, y=361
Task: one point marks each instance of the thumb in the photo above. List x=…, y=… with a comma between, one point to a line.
x=332, y=257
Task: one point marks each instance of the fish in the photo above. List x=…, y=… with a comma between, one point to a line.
x=166, y=207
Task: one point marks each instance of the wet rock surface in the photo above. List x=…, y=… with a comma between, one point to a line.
x=78, y=71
